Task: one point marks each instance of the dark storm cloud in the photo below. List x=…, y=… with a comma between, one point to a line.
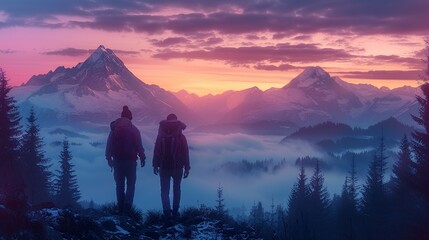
x=75, y=52
x=384, y=75
x=235, y=17
x=303, y=53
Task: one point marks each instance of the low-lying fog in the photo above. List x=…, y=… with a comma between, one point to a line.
x=210, y=155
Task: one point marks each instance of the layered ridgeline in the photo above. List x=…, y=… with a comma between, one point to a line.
x=95, y=91
x=312, y=97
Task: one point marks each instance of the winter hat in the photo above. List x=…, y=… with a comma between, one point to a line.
x=126, y=113
x=171, y=116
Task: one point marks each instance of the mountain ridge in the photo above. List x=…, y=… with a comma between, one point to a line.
x=312, y=97
x=98, y=87
x=95, y=90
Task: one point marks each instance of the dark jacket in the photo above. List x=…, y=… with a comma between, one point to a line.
x=136, y=148
x=179, y=156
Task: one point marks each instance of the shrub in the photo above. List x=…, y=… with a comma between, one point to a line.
x=154, y=218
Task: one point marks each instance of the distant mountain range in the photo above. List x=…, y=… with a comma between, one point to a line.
x=96, y=89
x=310, y=98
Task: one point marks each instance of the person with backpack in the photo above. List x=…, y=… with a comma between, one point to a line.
x=123, y=146
x=171, y=161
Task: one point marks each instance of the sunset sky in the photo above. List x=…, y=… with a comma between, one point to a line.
x=213, y=46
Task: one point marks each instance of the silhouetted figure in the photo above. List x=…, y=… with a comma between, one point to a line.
x=123, y=144
x=170, y=157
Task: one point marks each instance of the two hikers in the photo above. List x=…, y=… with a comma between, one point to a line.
x=170, y=159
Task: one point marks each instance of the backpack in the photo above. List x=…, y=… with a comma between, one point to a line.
x=123, y=141
x=169, y=149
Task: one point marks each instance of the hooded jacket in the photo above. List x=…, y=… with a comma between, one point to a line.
x=136, y=148
x=171, y=147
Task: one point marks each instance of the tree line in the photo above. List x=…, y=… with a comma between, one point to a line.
x=394, y=208
x=26, y=180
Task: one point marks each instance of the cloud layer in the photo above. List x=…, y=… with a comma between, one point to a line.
x=291, y=17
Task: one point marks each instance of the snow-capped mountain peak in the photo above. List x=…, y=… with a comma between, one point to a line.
x=99, y=86
x=101, y=71
x=311, y=76
x=103, y=55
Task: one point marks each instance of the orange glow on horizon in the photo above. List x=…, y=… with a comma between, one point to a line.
x=28, y=47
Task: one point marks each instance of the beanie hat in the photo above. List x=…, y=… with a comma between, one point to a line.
x=126, y=113
x=171, y=116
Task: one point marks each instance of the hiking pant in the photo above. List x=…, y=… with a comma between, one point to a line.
x=165, y=176
x=125, y=170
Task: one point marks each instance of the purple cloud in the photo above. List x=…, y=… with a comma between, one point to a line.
x=302, y=37
x=280, y=17
x=384, y=74
x=72, y=52
x=302, y=53
x=252, y=37
x=170, y=41
x=6, y=51
x=75, y=52
x=281, y=67
x=415, y=63
x=213, y=41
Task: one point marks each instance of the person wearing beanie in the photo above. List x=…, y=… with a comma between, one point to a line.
x=171, y=161
x=126, y=113
x=124, y=144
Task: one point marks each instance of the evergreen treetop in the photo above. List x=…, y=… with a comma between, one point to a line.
x=67, y=188
x=35, y=166
x=11, y=184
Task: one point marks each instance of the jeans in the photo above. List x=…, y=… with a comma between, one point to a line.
x=125, y=170
x=165, y=176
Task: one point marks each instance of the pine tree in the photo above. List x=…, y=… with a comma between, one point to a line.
x=272, y=213
x=347, y=212
x=220, y=207
x=318, y=205
x=403, y=169
x=35, y=166
x=281, y=222
x=403, y=201
x=66, y=186
x=11, y=183
x=421, y=149
x=374, y=200
x=353, y=187
x=257, y=218
x=297, y=211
